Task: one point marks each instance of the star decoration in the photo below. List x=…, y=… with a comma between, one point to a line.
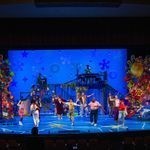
x=24, y=54
x=14, y=83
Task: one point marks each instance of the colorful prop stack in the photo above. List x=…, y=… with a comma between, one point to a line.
x=138, y=83
x=6, y=98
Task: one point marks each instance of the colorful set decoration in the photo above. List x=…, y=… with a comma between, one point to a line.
x=138, y=83
x=6, y=97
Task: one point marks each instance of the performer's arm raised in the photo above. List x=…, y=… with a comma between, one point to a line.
x=90, y=95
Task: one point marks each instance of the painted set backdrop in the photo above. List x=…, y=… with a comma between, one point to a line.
x=60, y=66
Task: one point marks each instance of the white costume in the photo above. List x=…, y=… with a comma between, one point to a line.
x=35, y=113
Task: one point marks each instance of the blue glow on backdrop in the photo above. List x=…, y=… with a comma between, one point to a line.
x=60, y=66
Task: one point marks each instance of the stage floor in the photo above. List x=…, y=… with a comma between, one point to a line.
x=49, y=124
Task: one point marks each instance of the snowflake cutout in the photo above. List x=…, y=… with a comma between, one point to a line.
x=18, y=66
x=65, y=60
x=104, y=64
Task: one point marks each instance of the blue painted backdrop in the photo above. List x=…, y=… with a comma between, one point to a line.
x=60, y=66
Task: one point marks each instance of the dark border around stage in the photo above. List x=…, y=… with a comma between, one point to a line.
x=49, y=33
x=115, y=135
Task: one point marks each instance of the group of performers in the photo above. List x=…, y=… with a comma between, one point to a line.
x=34, y=111
x=117, y=108
x=81, y=103
x=59, y=104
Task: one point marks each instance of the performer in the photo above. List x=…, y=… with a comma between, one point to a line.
x=122, y=112
x=54, y=98
x=34, y=108
x=42, y=85
x=38, y=101
x=59, y=106
x=111, y=101
x=94, y=105
x=21, y=111
x=78, y=102
x=116, y=108
x=83, y=105
x=88, y=69
x=42, y=81
x=71, y=105
x=144, y=110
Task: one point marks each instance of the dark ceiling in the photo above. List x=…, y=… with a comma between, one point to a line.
x=26, y=25
x=27, y=8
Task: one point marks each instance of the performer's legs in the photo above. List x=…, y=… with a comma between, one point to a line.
x=121, y=117
x=55, y=111
x=59, y=116
x=72, y=118
x=81, y=110
x=91, y=117
x=111, y=111
x=86, y=111
x=21, y=119
x=36, y=119
x=78, y=110
x=116, y=113
x=95, y=117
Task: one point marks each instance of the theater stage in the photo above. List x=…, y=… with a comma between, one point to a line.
x=49, y=124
